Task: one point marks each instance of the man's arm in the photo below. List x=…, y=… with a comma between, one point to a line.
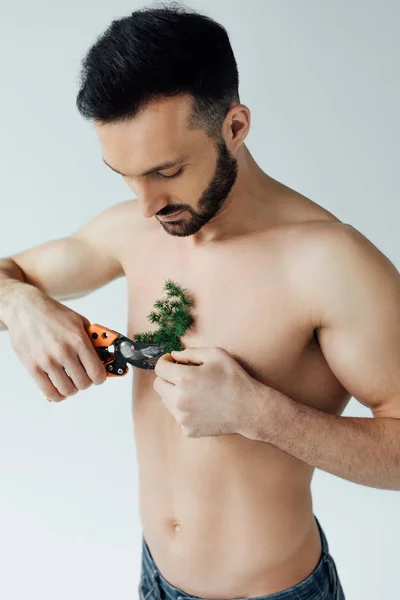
x=355, y=302
x=11, y=277
x=69, y=267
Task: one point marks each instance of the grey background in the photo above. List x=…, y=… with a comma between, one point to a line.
x=322, y=82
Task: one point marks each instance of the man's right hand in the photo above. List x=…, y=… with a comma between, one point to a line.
x=52, y=342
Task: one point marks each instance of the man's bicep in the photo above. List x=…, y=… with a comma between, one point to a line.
x=357, y=300
x=78, y=264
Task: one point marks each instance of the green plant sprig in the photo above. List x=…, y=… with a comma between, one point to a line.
x=173, y=318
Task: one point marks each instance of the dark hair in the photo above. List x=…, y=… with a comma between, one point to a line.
x=156, y=53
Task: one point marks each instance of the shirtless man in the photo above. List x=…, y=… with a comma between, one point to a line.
x=295, y=312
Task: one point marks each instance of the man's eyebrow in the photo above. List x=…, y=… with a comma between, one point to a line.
x=161, y=167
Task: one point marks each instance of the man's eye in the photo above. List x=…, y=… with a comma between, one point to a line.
x=171, y=176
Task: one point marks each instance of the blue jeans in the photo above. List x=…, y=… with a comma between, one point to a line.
x=322, y=584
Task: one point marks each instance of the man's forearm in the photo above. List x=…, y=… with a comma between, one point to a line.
x=362, y=450
x=11, y=278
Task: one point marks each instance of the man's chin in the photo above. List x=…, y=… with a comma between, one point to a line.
x=179, y=229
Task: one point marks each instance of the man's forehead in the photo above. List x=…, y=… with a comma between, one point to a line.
x=158, y=133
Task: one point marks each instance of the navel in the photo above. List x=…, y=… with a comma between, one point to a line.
x=173, y=525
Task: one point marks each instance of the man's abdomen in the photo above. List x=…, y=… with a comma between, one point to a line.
x=223, y=516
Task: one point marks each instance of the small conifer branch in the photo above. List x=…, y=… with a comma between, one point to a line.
x=172, y=316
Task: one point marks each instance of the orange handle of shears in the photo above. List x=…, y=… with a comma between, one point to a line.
x=102, y=337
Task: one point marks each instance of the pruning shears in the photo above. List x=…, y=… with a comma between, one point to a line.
x=139, y=354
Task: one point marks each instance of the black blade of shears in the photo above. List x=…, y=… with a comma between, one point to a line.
x=139, y=354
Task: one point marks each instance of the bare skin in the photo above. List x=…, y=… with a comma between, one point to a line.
x=223, y=516
x=227, y=516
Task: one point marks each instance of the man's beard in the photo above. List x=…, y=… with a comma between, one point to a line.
x=212, y=199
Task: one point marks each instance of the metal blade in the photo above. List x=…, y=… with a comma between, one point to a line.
x=142, y=355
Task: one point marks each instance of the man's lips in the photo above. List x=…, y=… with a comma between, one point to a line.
x=171, y=217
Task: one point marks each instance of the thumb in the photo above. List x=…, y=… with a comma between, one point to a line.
x=189, y=356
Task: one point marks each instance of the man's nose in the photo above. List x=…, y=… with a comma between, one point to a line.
x=150, y=202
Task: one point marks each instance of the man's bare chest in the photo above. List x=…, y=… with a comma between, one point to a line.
x=243, y=302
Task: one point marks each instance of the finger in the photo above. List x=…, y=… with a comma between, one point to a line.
x=192, y=356
x=181, y=359
x=166, y=392
x=168, y=357
x=47, y=387
x=166, y=368
x=61, y=381
x=93, y=366
x=162, y=387
x=76, y=371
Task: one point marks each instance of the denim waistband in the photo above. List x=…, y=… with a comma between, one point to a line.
x=314, y=586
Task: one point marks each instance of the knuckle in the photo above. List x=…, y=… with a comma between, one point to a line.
x=70, y=390
x=80, y=380
x=48, y=363
x=54, y=396
x=85, y=386
x=45, y=385
x=80, y=340
x=63, y=351
x=99, y=376
x=35, y=369
x=62, y=345
x=75, y=342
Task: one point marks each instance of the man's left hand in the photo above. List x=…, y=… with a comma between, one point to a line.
x=208, y=392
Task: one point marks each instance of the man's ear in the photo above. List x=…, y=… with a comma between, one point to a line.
x=236, y=127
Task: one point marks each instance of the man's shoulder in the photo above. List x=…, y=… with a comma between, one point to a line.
x=330, y=255
x=320, y=240
x=328, y=242
x=124, y=208
x=116, y=228
x=122, y=218
x=129, y=212
x=308, y=244
x=311, y=250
